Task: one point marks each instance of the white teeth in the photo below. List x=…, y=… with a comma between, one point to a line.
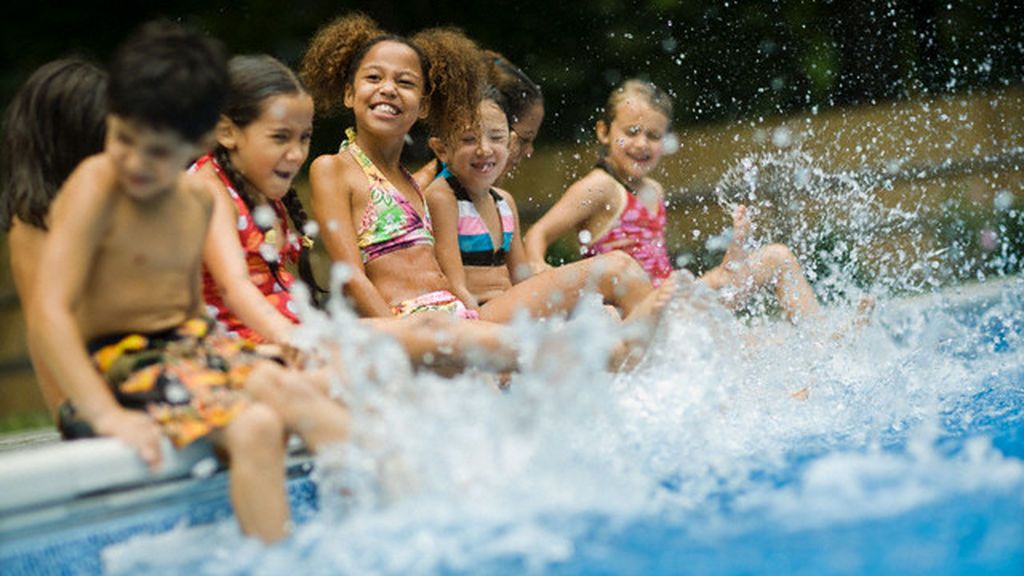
x=386, y=108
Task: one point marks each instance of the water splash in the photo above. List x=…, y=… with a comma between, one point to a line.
x=728, y=425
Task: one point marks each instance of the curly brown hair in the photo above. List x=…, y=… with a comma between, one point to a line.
x=452, y=68
x=457, y=75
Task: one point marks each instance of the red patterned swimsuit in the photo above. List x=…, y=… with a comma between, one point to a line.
x=274, y=288
x=646, y=230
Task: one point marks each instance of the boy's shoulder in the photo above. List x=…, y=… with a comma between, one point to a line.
x=94, y=178
x=197, y=187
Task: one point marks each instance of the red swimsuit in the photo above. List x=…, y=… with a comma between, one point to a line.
x=647, y=232
x=274, y=288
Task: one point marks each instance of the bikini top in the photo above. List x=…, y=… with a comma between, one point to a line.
x=475, y=244
x=263, y=258
x=389, y=222
x=637, y=223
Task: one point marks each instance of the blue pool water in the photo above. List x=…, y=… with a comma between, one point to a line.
x=907, y=457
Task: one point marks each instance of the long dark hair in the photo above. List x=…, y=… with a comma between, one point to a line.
x=519, y=91
x=254, y=79
x=56, y=120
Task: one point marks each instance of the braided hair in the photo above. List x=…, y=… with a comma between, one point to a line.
x=254, y=79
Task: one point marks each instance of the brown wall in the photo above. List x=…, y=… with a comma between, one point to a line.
x=980, y=139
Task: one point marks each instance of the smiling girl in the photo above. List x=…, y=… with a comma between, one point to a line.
x=371, y=212
x=262, y=142
x=479, y=244
x=619, y=207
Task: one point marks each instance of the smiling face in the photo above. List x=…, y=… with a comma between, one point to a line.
x=386, y=93
x=270, y=150
x=477, y=156
x=634, y=138
x=148, y=160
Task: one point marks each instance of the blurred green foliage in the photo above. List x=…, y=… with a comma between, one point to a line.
x=721, y=60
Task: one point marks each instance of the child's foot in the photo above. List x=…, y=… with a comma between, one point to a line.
x=736, y=254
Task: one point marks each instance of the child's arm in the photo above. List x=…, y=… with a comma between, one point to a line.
x=444, y=214
x=332, y=206
x=579, y=203
x=224, y=258
x=79, y=218
x=517, y=263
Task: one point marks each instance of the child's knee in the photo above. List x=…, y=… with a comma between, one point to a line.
x=264, y=376
x=778, y=256
x=623, y=265
x=257, y=429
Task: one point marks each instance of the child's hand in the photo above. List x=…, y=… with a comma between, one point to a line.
x=538, y=267
x=135, y=429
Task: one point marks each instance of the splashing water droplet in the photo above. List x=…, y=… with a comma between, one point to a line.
x=204, y=468
x=264, y=216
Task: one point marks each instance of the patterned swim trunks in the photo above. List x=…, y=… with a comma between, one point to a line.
x=187, y=378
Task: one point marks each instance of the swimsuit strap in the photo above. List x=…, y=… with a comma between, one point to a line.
x=374, y=173
x=462, y=194
x=361, y=158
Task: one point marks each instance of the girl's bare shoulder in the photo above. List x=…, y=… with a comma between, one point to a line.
x=338, y=170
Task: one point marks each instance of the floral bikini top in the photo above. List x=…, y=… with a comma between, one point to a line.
x=646, y=229
x=389, y=222
x=263, y=258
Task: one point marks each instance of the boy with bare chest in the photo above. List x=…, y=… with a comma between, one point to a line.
x=118, y=316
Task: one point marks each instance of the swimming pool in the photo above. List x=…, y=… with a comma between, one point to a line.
x=907, y=457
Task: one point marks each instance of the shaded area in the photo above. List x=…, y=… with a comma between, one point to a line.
x=720, y=60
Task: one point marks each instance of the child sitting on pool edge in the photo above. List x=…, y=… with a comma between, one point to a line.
x=117, y=316
x=620, y=207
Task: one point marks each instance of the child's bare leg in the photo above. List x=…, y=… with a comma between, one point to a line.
x=254, y=442
x=776, y=266
x=734, y=271
x=616, y=276
x=773, y=266
x=643, y=322
x=441, y=342
x=301, y=400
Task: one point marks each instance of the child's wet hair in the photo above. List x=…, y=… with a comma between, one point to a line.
x=169, y=77
x=452, y=70
x=57, y=119
x=518, y=90
x=253, y=80
x=636, y=88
